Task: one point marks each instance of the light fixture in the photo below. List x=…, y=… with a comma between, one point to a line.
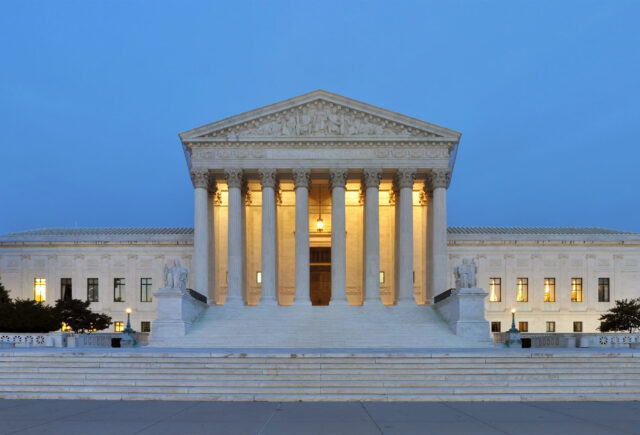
x=319, y=221
x=128, y=310
x=381, y=277
x=259, y=277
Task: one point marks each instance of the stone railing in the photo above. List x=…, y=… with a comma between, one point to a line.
x=34, y=339
x=442, y=296
x=577, y=339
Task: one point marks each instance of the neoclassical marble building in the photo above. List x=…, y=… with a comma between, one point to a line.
x=321, y=200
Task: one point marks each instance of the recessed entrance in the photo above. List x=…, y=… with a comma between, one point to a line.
x=320, y=279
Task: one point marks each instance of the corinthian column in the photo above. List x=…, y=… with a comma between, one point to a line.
x=269, y=182
x=371, y=288
x=200, y=179
x=437, y=182
x=236, y=279
x=301, y=179
x=403, y=184
x=337, y=183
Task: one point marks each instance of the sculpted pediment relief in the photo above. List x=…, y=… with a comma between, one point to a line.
x=319, y=119
x=319, y=114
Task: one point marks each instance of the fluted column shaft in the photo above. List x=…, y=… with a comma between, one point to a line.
x=200, y=179
x=269, y=182
x=235, y=239
x=371, y=288
x=404, y=227
x=301, y=179
x=338, y=180
x=437, y=226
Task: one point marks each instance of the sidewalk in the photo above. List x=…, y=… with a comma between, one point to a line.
x=138, y=417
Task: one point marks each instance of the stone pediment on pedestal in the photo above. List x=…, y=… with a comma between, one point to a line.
x=319, y=115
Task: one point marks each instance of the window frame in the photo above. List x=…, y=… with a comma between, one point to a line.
x=601, y=289
x=40, y=289
x=118, y=326
x=522, y=290
x=499, y=327
x=550, y=326
x=146, y=289
x=551, y=284
x=93, y=290
x=143, y=324
x=495, y=283
x=523, y=326
x=119, y=288
x=576, y=290
x=63, y=283
x=581, y=326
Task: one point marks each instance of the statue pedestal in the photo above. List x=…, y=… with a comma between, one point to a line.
x=464, y=312
x=177, y=310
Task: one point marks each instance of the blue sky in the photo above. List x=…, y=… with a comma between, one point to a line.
x=93, y=94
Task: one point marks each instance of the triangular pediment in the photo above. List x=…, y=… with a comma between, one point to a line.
x=319, y=114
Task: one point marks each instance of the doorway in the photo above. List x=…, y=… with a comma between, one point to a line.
x=320, y=279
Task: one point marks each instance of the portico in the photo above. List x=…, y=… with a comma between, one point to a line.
x=320, y=170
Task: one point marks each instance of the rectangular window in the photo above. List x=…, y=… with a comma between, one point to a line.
x=145, y=290
x=495, y=290
x=523, y=326
x=576, y=289
x=118, y=326
x=40, y=289
x=145, y=326
x=577, y=326
x=495, y=326
x=551, y=326
x=258, y=277
x=65, y=289
x=523, y=290
x=603, y=289
x=381, y=277
x=119, y=291
x=92, y=289
x=549, y=289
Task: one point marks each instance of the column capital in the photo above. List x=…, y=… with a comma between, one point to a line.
x=404, y=178
x=200, y=178
x=438, y=177
x=268, y=177
x=301, y=177
x=371, y=177
x=337, y=178
x=235, y=177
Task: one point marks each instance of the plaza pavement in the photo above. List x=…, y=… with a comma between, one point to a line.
x=361, y=418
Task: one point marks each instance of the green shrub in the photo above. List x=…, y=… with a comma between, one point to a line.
x=77, y=315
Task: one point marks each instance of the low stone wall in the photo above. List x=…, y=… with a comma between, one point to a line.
x=64, y=339
x=463, y=309
x=568, y=340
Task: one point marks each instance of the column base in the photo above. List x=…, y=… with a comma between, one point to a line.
x=234, y=303
x=301, y=303
x=338, y=303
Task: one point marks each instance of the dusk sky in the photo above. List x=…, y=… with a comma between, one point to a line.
x=93, y=95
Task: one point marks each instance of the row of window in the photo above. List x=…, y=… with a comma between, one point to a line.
x=522, y=290
x=145, y=326
x=93, y=293
x=524, y=326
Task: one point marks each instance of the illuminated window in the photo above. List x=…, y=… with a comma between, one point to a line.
x=495, y=326
x=119, y=291
x=523, y=326
x=65, y=327
x=577, y=326
x=65, y=289
x=551, y=326
x=381, y=277
x=40, y=289
x=118, y=326
x=145, y=326
x=576, y=289
x=92, y=289
x=145, y=290
x=549, y=289
x=523, y=290
x=258, y=277
x=603, y=289
x=495, y=289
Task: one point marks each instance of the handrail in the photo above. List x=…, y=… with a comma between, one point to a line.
x=194, y=294
x=442, y=296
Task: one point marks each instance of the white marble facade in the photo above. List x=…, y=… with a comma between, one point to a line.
x=376, y=180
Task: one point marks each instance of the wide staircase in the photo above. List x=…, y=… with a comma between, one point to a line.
x=148, y=374
x=375, y=326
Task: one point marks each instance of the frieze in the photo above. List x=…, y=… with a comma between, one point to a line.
x=319, y=119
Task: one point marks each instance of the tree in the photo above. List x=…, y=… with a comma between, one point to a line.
x=4, y=295
x=77, y=315
x=624, y=316
x=28, y=316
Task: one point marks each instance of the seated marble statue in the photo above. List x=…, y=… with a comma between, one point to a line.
x=465, y=274
x=175, y=276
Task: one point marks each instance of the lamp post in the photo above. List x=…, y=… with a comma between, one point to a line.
x=513, y=335
x=127, y=338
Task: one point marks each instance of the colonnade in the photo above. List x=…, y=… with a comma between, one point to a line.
x=436, y=184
